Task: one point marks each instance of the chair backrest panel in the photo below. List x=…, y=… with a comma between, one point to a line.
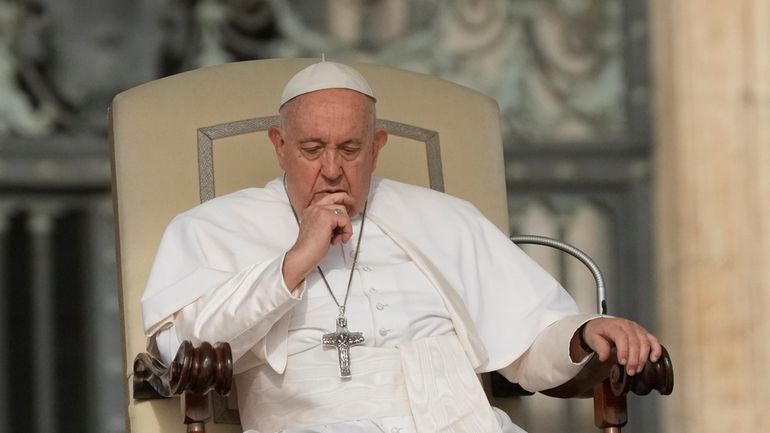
x=155, y=132
x=414, y=155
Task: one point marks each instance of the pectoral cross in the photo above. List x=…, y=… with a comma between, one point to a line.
x=343, y=340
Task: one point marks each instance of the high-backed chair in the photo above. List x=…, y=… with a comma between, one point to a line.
x=184, y=139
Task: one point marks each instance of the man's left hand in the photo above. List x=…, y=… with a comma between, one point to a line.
x=634, y=344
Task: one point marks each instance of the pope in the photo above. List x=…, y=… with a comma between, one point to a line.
x=347, y=309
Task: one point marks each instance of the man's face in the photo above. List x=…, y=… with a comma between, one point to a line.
x=327, y=143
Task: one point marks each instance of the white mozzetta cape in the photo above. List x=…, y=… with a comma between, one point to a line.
x=498, y=298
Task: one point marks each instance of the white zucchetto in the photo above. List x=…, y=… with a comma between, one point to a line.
x=325, y=75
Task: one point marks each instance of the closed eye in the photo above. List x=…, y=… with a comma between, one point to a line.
x=350, y=152
x=312, y=152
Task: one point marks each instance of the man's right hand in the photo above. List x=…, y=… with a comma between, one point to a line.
x=322, y=224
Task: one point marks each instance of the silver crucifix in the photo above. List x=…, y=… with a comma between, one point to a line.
x=343, y=340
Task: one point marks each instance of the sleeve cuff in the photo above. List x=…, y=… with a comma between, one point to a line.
x=295, y=292
x=547, y=363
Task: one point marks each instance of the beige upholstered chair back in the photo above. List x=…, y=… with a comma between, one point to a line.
x=179, y=140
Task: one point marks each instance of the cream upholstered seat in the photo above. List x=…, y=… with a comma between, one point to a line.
x=183, y=139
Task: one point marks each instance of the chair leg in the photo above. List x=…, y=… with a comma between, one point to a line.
x=196, y=427
x=197, y=410
x=610, y=413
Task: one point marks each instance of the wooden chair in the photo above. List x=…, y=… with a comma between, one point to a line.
x=184, y=139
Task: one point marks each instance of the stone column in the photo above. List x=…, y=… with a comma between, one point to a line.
x=41, y=230
x=712, y=78
x=5, y=311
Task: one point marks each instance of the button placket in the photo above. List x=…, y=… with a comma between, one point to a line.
x=376, y=301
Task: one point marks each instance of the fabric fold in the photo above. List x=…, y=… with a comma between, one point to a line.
x=444, y=392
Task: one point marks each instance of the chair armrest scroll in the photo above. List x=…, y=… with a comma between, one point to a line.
x=655, y=376
x=197, y=370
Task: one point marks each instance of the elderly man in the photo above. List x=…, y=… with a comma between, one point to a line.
x=347, y=308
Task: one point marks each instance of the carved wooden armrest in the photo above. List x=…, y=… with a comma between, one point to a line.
x=194, y=373
x=197, y=371
x=608, y=383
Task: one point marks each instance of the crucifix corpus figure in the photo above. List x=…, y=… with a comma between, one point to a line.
x=343, y=340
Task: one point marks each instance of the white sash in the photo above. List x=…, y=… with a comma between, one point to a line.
x=310, y=391
x=430, y=379
x=444, y=392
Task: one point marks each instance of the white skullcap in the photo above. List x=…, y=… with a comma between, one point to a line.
x=325, y=75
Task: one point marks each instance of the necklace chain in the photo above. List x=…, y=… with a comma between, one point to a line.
x=352, y=268
x=355, y=255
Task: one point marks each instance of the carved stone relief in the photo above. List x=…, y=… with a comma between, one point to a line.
x=555, y=66
x=66, y=59
x=19, y=114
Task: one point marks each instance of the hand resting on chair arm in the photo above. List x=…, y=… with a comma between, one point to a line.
x=635, y=345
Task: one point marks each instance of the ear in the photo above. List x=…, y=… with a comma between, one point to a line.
x=274, y=133
x=380, y=138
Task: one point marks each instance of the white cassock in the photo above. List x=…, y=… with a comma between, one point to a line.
x=439, y=292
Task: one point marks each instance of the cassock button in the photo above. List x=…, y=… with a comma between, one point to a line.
x=380, y=306
x=367, y=268
x=384, y=331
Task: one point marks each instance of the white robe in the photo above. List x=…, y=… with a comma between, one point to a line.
x=485, y=281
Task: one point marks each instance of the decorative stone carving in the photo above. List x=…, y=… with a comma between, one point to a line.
x=555, y=67
x=72, y=56
x=18, y=113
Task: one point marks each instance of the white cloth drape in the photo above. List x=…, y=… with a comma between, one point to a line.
x=498, y=300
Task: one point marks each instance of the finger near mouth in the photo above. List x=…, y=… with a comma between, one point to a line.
x=322, y=194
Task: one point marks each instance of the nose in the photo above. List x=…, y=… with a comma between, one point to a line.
x=331, y=167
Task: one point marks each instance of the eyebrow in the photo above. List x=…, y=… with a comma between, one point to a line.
x=322, y=141
x=352, y=141
x=312, y=140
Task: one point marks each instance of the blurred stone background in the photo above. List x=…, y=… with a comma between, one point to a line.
x=584, y=158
